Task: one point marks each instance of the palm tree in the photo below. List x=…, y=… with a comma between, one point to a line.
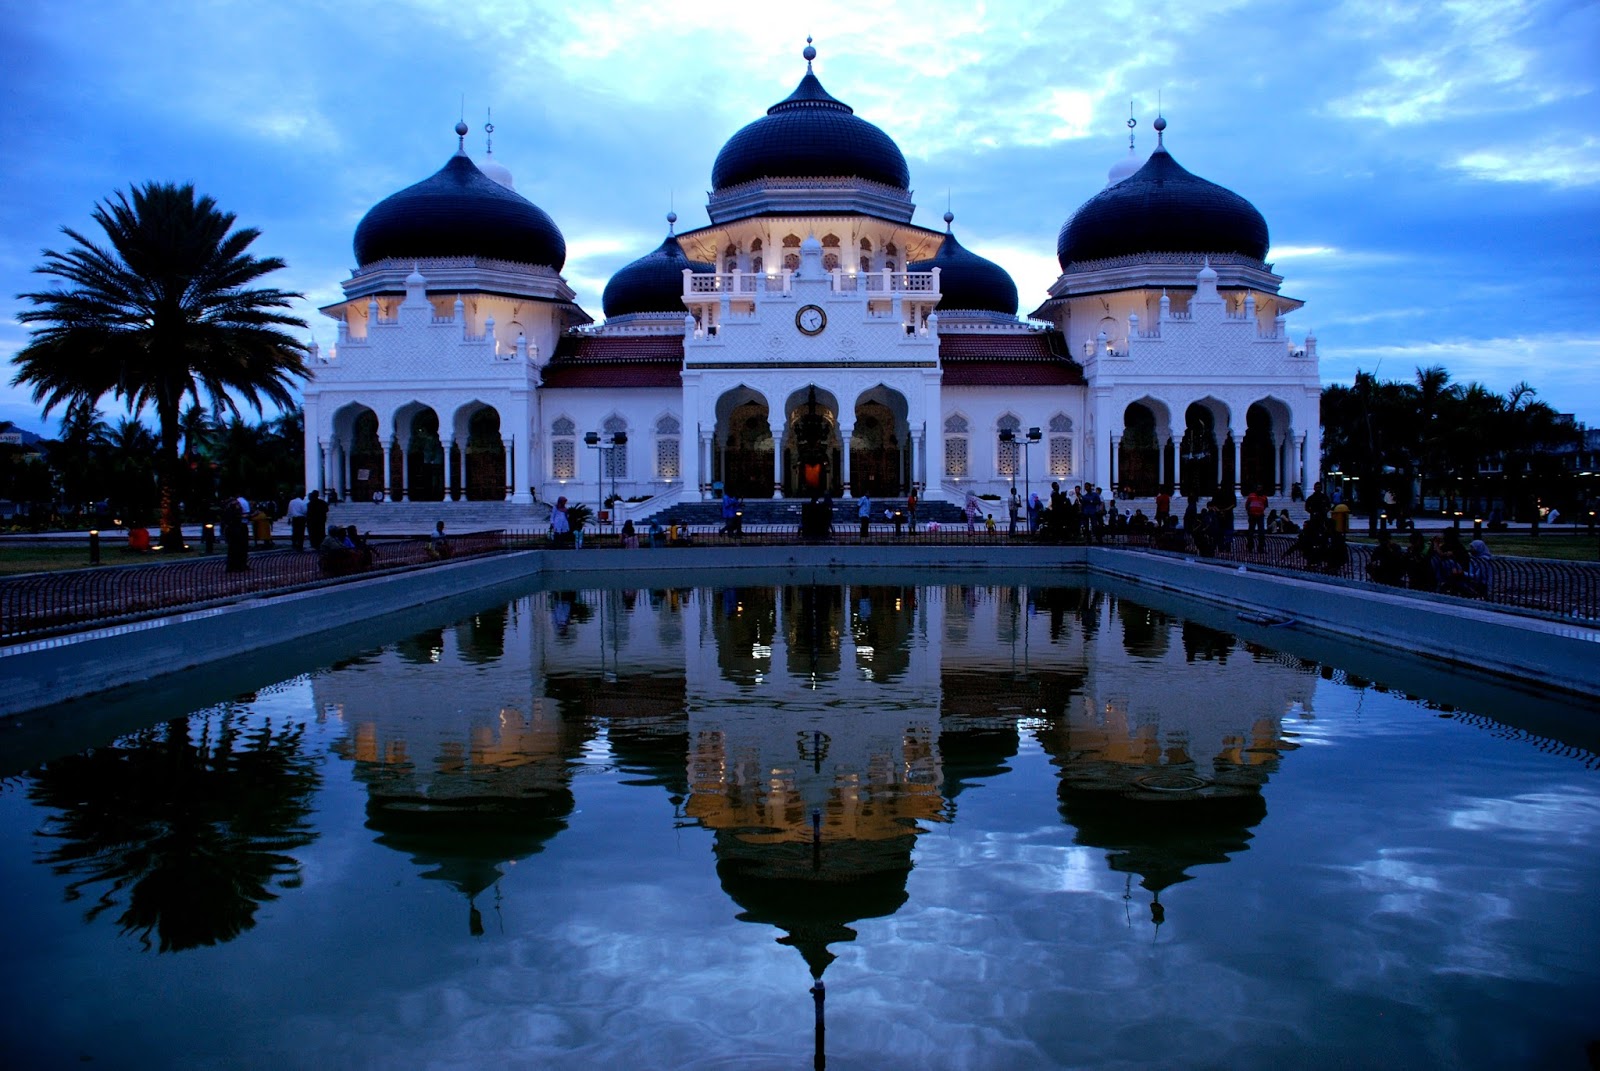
x=165, y=314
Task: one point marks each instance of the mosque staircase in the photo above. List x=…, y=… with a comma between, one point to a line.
x=418, y=518
x=785, y=512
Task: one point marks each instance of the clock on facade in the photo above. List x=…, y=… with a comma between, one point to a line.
x=810, y=319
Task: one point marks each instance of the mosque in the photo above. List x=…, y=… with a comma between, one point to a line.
x=811, y=339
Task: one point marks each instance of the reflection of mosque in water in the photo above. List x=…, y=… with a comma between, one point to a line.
x=815, y=731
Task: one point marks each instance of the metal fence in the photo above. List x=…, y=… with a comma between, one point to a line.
x=43, y=603
x=46, y=603
x=1567, y=589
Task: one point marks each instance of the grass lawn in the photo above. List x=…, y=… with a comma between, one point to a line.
x=1565, y=545
x=39, y=558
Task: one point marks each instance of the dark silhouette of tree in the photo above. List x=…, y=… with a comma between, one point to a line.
x=185, y=827
x=165, y=314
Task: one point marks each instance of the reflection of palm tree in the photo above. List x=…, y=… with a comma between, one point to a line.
x=194, y=832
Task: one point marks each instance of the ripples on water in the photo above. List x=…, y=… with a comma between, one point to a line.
x=1007, y=827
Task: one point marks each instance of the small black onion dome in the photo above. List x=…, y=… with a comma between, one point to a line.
x=968, y=281
x=1161, y=208
x=653, y=283
x=810, y=135
x=459, y=212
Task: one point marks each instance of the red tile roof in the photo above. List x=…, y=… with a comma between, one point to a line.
x=1035, y=359
x=616, y=361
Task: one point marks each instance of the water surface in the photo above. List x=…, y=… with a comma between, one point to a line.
x=1006, y=826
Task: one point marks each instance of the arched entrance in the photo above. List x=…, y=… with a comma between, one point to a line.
x=1258, y=458
x=876, y=459
x=367, y=460
x=744, y=462
x=811, y=446
x=424, y=469
x=1199, y=451
x=485, y=462
x=1138, y=457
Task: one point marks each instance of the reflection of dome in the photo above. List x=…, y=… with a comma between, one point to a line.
x=968, y=281
x=1160, y=839
x=781, y=885
x=1161, y=208
x=653, y=283
x=459, y=212
x=809, y=134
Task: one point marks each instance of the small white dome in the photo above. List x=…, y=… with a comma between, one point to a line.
x=497, y=171
x=1124, y=167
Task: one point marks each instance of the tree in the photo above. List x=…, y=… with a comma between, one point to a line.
x=165, y=314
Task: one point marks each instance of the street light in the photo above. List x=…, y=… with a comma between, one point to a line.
x=1034, y=435
x=592, y=440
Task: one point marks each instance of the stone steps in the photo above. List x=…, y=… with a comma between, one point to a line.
x=418, y=518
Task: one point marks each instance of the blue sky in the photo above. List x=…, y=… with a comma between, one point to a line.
x=1429, y=172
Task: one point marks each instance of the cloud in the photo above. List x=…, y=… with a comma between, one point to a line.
x=1572, y=164
x=1432, y=62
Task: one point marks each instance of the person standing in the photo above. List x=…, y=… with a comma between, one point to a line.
x=1014, y=508
x=236, y=534
x=297, y=521
x=1317, y=507
x=1163, y=507
x=864, y=514
x=972, y=513
x=1255, y=512
x=911, y=508
x=317, y=518
x=560, y=524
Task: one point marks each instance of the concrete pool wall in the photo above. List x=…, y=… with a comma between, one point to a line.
x=1545, y=652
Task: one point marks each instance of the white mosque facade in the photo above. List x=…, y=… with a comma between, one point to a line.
x=810, y=340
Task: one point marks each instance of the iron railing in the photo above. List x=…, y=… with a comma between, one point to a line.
x=40, y=604
x=45, y=603
x=1566, y=589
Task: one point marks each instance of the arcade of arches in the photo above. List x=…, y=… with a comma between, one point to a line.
x=418, y=464
x=808, y=453
x=1206, y=456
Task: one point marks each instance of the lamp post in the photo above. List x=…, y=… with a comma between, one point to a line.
x=618, y=439
x=591, y=439
x=1034, y=435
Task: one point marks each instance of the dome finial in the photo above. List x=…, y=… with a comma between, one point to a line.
x=672, y=219
x=1161, y=123
x=488, y=131
x=809, y=53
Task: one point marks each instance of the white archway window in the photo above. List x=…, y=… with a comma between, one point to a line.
x=1007, y=460
x=616, y=458
x=1060, y=445
x=563, y=449
x=668, y=466
x=955, y=447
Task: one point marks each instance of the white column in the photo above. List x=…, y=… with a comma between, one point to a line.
x=324, y=469
x=1114, y=462
x=1161, y=461
x=844, y=458
x=1238, y=454
x=405, y=473
x=450, y=486
x=919, y=457
x=777, y=464
x=510, y=446
x=344, y=467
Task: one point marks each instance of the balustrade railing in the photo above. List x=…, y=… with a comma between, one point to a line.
x=40, y=604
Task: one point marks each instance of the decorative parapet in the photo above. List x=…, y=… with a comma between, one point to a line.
x=841, y=195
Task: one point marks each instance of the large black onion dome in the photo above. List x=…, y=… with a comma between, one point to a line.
x=459, y=212
x=1161, y=208
x=968, y=281
x=653, y=283
x=809, y=134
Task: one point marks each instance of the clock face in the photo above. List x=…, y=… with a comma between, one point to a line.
x=811, y=319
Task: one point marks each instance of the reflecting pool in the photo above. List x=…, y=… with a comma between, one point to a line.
x=869, y=825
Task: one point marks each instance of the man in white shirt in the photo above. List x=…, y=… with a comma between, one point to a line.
x=297, y=521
